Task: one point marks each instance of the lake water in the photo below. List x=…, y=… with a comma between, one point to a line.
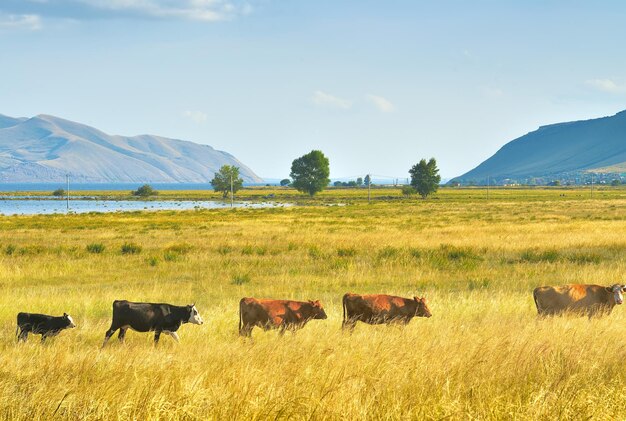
x=38, y=206
x=23, y=187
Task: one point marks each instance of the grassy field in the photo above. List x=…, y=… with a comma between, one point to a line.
x=483, y=354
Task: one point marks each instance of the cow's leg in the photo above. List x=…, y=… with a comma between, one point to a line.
x=246, y=330
x=122, y=334
x=174, y=335
x=281, y=332
x=157, y=335
x=108, y=335
x=43, y=337
x=23, y=336
x=348, y=324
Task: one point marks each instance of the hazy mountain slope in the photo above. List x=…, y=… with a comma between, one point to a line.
x=558, y=149
x=45, y=148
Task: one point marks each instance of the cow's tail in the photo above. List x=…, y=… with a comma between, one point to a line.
x=240, y=314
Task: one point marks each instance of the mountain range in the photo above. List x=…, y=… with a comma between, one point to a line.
x=46, y=148
x=558, y=151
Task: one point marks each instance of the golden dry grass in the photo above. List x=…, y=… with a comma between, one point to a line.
x=483, y=355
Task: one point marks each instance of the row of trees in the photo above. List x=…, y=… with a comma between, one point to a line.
x=310, y=174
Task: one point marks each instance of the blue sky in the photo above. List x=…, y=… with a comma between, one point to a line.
x=376, y=85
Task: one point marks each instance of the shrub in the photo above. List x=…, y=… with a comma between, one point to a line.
x=58, y=193
x=131, y=248
x=314, y=252
x=95, y=248
x=153, y=260
x=182, y=248
x=346, y=252
x=223, y=250
x=10, y=249
x=145, y=191
x=535, y=256
x=240, y=279
x=408, y=190
x=388, y=253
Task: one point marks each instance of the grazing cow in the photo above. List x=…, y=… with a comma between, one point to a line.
x=41, y=324
x=149, y=317
x=277, y=314
x=381, y=309
x=586, y=300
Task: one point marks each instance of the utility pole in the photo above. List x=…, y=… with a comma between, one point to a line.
x=231, y=190
x=67, y=179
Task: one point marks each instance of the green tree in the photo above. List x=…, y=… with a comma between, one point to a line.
x=222, y=180
x=285, y=182
x=359, y=181
x=368, y=180
x=58, y=193
x=310, y=173
x=145, y=191
x=616, y=182
x=425, y=177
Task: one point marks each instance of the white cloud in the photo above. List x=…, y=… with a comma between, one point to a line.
x=328, y=100
x=196, y=116
x=383, y=104
x=27, y=22
x=200, y=10
x=607, y=85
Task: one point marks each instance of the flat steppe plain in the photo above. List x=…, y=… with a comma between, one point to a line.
x=483, y=354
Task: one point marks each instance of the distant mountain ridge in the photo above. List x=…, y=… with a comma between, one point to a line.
x=45, y=148
x=559, y=150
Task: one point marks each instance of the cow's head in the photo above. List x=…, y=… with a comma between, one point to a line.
x=68, y=319
x=421, y=309
x=617, y=291
x=194, y=316
x=318, y=310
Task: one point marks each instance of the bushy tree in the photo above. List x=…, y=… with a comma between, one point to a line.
x=58, y=193
x=359, y=181
x=285, y=182
x=145, y=191
x=425, y=177
x=222, y=180
x=616, y=182
x=368, y=180
x=310, y=173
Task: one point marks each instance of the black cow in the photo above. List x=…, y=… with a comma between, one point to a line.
x=150, y=317
x=41, y=324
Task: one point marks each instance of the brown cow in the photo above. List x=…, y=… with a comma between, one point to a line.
x=581, y=299
x=277, y=314
x=379, y=309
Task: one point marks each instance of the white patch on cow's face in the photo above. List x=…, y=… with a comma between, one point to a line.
x=72, y=324
x=195, y=317
x=617, y=294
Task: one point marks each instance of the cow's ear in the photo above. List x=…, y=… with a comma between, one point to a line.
x=624, y=288
x=609, y=289
x=416, y=299
x=64, y=314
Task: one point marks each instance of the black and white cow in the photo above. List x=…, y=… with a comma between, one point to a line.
x=150, y=317
x=41, y=324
